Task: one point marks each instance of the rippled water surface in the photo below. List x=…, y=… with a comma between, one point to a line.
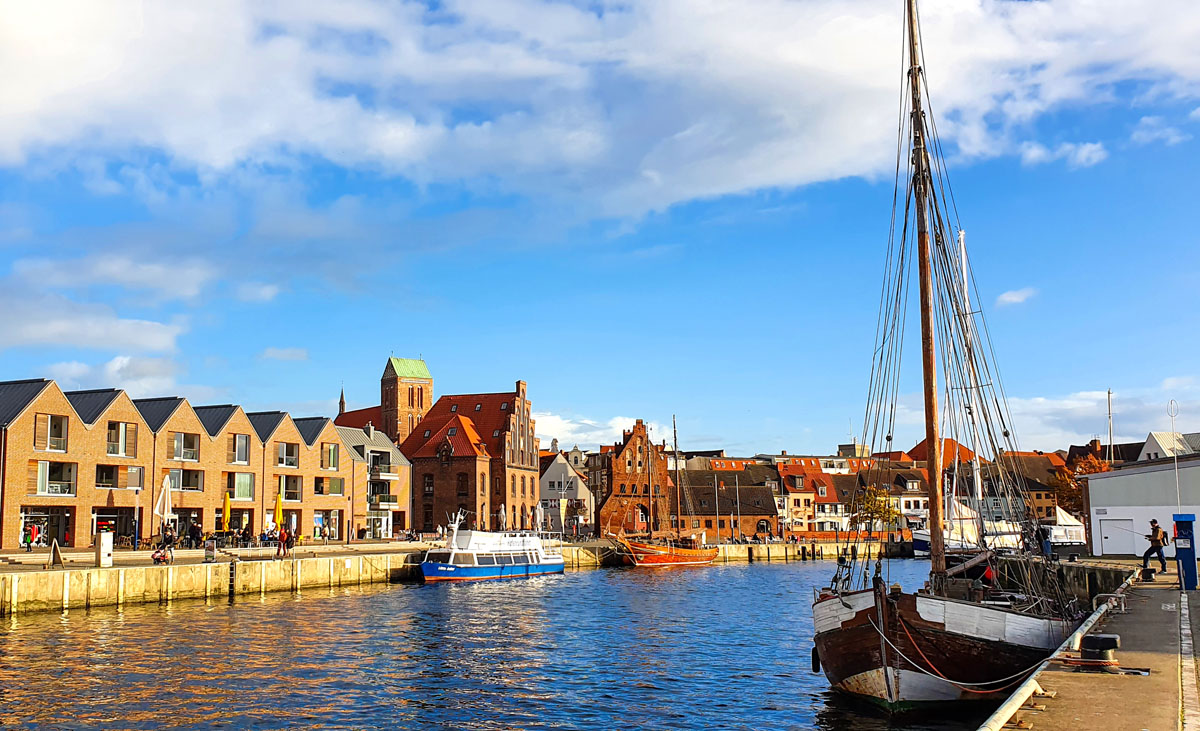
x=718, y=647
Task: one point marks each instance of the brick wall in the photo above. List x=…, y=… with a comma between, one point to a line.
x=432, y=509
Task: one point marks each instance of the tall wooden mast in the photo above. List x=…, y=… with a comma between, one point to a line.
x=678, y=484
x=921, y=182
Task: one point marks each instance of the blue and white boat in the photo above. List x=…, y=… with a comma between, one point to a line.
x=475, y=555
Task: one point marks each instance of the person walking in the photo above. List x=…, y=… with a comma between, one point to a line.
x=27, y=538
x=1158, y=538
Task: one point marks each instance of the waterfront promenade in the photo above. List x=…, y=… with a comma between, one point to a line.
x=1154, y=637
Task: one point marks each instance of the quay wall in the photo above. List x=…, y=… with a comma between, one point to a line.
x=64, y=589
x=602, y=553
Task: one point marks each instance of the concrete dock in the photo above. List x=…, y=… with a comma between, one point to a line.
x=1154, y=638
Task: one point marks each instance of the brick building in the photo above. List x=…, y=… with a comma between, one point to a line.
x=621, y=477
x=477, y=452
x=85, y=461
x=729, y=505
x=405, y=396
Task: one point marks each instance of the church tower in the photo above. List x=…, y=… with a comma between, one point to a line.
x=405, y=396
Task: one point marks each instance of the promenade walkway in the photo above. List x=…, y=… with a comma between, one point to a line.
x=1150, y=634
x=17, y=561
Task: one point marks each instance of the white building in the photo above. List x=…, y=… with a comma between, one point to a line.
x=1121, y=503
x=565, y=495
x=1161, y=444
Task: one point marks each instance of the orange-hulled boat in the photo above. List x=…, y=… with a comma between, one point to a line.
x=672, y=553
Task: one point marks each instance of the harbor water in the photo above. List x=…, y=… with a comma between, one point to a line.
x=714, y=647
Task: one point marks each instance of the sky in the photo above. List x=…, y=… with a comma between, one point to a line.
x=641, y=208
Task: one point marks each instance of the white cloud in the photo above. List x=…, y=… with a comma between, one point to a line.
x=1195, y=114
x=183, y=279
x=284, y=354
x=53, y=320
x=257, y=291
x=632, y=108
x=1178, y=383
x=141, y=377
x=589, y=433
x=1015, y=296
x=1077, y=154
x=1155, y=129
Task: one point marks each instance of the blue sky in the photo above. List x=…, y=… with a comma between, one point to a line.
x=639, y=208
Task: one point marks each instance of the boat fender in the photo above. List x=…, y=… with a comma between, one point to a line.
x=816, y=660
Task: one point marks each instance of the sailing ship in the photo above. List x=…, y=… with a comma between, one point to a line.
x=962, y=636
x=473, y=555
x=675, y=551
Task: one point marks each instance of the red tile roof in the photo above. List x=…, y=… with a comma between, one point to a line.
x=826, y=481
x=464, y=442
x=896, y=456
x=488, y=414
x=920, y=453
x=359, y=417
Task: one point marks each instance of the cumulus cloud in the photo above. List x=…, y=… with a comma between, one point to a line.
x=630, y=108
x=1155, y=129
x=1076, y=154
x=1015, y=296
x=589, y=433
x=141, y=377
x=33, y=319
x=182, y=279
x=284, y=354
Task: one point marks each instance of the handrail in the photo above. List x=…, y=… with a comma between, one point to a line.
x=1005, y=712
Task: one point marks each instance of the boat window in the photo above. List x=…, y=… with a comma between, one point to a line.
x=438, y=556
x=486, y=559
x=504, y=559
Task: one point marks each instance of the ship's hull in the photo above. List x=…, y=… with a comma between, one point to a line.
x=904, y=651
x=661, y=556
x=435, y=571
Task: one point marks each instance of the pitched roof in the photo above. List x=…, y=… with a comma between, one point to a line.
x=214, y=418
x=950, y=448
x=544, y=462
x=751, y=475
x=359, y=418
x=156, y=411
x=410, y=368
x=1124, y=452
x=358, y=442
x=16, y=395
x=310, y=427
x=752, y=500
x=459, y=431
x=266, y=422
x=1176, y=443
x=488, y=414
x=91, y=404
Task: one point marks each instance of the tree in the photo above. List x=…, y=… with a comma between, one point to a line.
x=1068, y=482
x=872, y=507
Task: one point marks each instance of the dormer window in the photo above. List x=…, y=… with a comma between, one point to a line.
x=453, y=431
x=453, y=408
x=496, y=433
x=426, y=433
x=478, y=407
x=821, y=491
x=504, y=406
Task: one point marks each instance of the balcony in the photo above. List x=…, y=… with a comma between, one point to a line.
x=191, y=455
x=58, y=489
x=384, y=471
x=114, y=449
x=57, y=444
x=288, y=461
x=384, y=502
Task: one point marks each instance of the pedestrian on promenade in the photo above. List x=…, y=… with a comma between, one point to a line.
x=168, y=543
x=1158, y=538
x=27, y=538
x=281, y=547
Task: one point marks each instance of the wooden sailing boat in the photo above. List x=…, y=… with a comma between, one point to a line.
x=957, y=638
x=678, y=551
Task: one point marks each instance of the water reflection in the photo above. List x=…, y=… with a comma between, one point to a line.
x=721, y=647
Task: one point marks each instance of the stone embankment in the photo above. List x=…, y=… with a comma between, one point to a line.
x=27, y=587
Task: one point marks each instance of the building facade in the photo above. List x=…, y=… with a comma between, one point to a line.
x=1123, y=501
x=630, y=485
x=565, y=495
x=82, y=462
x=476, y=452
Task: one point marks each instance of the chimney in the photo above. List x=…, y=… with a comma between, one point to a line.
x=784, y=453
x=369, y=430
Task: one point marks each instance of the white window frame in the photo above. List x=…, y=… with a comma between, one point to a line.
x=180, y=447
x=282, y=455
x=122, y=440
x=65, y=435
x=238, y=441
